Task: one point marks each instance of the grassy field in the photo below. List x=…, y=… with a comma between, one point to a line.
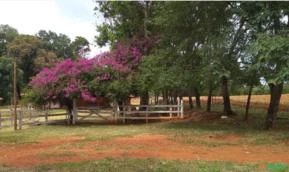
x=257, y=101
x=132, y=165
x=265, y=99
x=166, y=146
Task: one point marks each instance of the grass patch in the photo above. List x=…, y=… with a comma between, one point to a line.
x=197, y=140
x=149, y=165
x=250, y=132
x=188, y=132
x=77, y=145
x=45, y=155
x=56, y=111
x=90, y=132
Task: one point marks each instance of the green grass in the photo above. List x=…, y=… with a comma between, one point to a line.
x=45, y=155
x=250, y=132
x=55, y=111
x=90, y=132
x=144, y=165
x=186, y=132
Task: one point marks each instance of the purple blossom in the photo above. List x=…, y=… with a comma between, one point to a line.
x=68, y=78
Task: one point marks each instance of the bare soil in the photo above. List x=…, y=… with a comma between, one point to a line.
x=75, y=149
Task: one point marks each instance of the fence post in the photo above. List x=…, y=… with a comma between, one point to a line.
x=20, y=119
x=147, y=115
x=182, y=109
x=11, y=118
x=114, y=112
x=0, y=119
x=46, y=117
x=171, y=114
x=30, y=112
x=123, y=114
x=117, y=112
x=67, y=116
x=178, y=107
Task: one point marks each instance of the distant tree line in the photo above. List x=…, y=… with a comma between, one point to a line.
x=32, y=53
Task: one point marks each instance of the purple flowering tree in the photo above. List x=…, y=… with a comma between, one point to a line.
x=117, y=72
x=108, y=74
x=67, y=81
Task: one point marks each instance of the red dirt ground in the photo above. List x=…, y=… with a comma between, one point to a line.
x=74, y=149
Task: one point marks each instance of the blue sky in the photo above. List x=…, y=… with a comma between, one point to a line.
x=70, y=17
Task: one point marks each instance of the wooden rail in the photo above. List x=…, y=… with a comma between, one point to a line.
x=31, y=116
x=166, y=112
x=26, y=117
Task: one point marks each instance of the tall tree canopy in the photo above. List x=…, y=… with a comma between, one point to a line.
x=58, y=43
x=7, y=34
x=203, y=43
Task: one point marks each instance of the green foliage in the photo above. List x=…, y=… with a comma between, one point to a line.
x=117, y=88
x=273, y=57
x=57, y=43
x=24, y=48
x=6, y=78
x=32, y=96
x=7, y=34
x=79, y=47
x=125, y=20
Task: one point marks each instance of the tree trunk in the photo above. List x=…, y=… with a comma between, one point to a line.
x=191, y=101
x=18, y=92
x=144, y=100
x=145, y=96
x=120, y=105
x=146, y=19
x=248, y=103
x=165, y=97
x=181, y=98
x=175, y=98
x=74, y=112
x=69, y=109
x=226, y=97
x=209, y=101
x=275, y=95
x=198, y=98
x=156, y=98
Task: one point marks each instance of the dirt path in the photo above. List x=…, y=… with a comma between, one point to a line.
x=74, y=149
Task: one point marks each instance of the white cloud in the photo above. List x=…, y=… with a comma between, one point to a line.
x=29, y=16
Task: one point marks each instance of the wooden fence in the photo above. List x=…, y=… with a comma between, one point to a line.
x=6, y=120
x=30, y=116
x=147, y=112
x=26, y=117
x=89, y=113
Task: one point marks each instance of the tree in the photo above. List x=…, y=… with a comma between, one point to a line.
x=126, y=21
x=211, y=67
x=65, y=82
x=45, y=58
x=121, y=65
x=6, y=78
x=272, y=53
x=24, y=48
x=7, y=34
x=186, y=29
x=80, y=47
x=60, y=44
x=270, y=50
x=105, y=75
x=123, y=20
